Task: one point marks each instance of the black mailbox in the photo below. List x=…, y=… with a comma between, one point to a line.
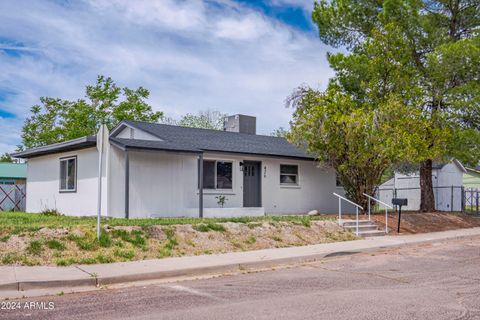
x=400, y=201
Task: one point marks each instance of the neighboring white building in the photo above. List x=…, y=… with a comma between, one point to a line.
x=447, y=182
x=153, y=170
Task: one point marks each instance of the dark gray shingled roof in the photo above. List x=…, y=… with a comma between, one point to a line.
x=150, y=145
x=220, y=141
x=75, y=144
x=182, y=139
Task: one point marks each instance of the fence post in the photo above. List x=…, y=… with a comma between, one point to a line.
x=462, y=191
x=477, y=202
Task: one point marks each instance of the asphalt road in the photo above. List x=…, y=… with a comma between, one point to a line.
x=430, y=281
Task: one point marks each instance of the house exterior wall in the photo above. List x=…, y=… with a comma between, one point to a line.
x=43, y=184
x=132, y=133
x=165, y=184
x=162, y=185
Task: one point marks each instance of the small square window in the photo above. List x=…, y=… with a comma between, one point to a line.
x=68, y=174
x=288, y=174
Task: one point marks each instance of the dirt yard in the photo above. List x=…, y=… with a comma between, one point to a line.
x=415, y=222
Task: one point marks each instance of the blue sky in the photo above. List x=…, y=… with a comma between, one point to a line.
x=233, y=56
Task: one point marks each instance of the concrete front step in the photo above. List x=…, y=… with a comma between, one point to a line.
x=371, y=233
x=348, y=222
x=362, y=227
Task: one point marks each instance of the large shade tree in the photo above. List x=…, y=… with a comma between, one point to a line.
x=422, y=56
x=57, y=120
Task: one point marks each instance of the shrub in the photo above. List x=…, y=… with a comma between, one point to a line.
x=66, y=262
x=276, y=238
x=216, y=227
x=251, y=240
x=201, y=227
x=103, y=259
x=105, y=240
x=55, y=245
x=35, y=247
x=51, y=212
x=125, y=254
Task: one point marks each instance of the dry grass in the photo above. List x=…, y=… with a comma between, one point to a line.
x=56, y=240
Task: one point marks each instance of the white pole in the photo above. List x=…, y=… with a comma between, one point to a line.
x=386, y=220
x=100, y=142
x=356, y=211
x=339, y=211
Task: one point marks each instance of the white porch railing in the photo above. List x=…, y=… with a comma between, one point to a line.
x=357, y=206
x=387, y=206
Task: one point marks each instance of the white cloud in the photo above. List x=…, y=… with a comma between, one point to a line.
x=191, y=55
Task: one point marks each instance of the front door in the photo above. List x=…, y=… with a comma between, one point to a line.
x=251, y=184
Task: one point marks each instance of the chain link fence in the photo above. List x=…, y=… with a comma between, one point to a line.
x=447, y=198
x=12, y=197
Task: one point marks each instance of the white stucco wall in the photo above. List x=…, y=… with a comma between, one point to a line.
x=43, y=184
x=165, y=184
x=132, y=133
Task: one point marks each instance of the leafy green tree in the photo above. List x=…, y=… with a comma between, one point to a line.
x=56, y=120
x=280, y=132
x=206, y=119
x=426, y=54
x=6, y=158
x=359, y=140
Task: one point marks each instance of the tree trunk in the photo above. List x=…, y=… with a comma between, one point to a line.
x=427, y=200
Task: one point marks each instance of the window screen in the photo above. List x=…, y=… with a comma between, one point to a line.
x=288, y=174
x=68, y=174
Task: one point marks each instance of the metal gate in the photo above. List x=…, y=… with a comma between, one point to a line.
x=471, y=200
x=12, y=197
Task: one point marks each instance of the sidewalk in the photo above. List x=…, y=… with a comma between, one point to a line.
x=17, y=279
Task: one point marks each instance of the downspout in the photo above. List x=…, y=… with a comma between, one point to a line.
x=127, y=184
x=200, y=185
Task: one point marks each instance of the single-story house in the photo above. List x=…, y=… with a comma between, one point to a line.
x=13, y=173
x=158, y=170
x=447, y=179
x=471, y=178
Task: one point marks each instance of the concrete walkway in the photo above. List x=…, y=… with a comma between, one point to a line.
x=20, y=279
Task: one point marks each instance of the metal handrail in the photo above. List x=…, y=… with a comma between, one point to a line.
x=386, y=209
x=357, y=206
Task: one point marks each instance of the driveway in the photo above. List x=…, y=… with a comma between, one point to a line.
x=429, y=281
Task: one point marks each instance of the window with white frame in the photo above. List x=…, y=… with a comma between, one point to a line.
x=217, y=174
x=289, y=174
x=68, y=174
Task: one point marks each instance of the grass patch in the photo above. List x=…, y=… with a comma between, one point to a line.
x=13, y=258
x=251, y=240
x=205, y=227
x=17, y=222
x=277, y=238
x=35, y=247
x=55, y=245
x=104, y=240
x=5, y=238
x=125, y=254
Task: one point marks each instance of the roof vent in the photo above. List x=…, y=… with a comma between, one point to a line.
x=240, y=123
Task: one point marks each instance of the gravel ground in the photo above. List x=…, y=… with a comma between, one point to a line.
x=429, y=281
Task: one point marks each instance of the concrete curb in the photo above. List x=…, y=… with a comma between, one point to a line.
x=224, y=263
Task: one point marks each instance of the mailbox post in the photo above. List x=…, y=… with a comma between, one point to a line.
x=399, y=202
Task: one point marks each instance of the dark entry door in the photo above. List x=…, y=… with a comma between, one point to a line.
x=251, y=184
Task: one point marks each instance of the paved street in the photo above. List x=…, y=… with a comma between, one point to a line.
x=428, y=281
